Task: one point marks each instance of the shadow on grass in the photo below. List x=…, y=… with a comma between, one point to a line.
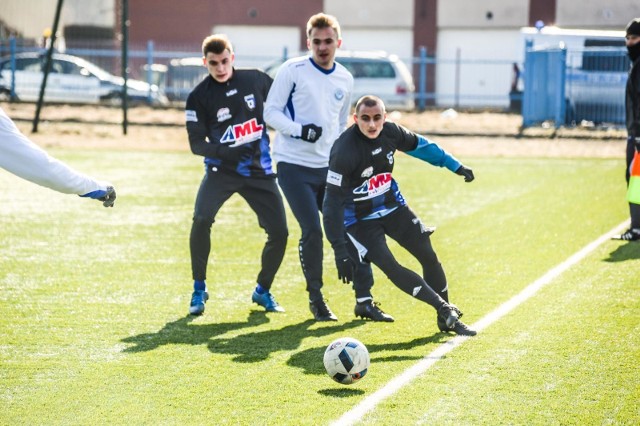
x=249, y=347
x=182, y=332
x=342, y=392
x=628, y=251
x=310, y=360
x=257, y=346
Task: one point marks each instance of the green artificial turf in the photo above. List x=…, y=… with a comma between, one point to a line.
x=94, y=302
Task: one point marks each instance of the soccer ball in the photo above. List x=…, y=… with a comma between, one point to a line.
x=346, y=360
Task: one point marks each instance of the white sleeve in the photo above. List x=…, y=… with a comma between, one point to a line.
x=27, y=160
x=344, y=112
x=274, y=109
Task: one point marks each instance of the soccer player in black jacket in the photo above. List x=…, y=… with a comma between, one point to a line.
x=363, y=197
x=225, y=126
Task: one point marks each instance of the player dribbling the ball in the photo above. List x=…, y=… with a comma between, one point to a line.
x=363, y=198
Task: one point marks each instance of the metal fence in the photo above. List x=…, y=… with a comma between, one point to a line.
x=566, y=87
x=577, y=86
x=172, y=73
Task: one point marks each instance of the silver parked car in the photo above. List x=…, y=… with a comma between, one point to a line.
x=374, y=73
x=71, y=80
x=182, y=76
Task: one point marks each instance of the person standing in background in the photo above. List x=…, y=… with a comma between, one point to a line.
x=632, y=110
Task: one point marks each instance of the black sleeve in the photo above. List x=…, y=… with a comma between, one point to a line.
x=197, y=128
x=407, y=140
x=333, y=215
x=636, y=105
x=198, y=143
x=268, y=82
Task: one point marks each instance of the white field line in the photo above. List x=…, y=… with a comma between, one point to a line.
x=369, y=403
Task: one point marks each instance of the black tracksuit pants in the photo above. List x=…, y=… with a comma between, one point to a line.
x=263, y=197
x=404, y=227
x=304, y=189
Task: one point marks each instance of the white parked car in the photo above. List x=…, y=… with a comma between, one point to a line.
x=71, y=80
x=374, y=73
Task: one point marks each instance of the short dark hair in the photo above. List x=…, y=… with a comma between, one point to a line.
x=322, y=20
x=369, y=101
x=216, y=43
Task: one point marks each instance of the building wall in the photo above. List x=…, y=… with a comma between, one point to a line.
x=257, y=46
x=470, y=30
x=13, y=12
x=542, y=11
x=596, y=14
x=33, y=17
x=33, y=20
x=381, y=14
x=375, y=25
x=99, y=13
x=267, y=12
x=471, y=64
x=187, y=22
x=425, y=25
x=482, y=14
x=488, y=29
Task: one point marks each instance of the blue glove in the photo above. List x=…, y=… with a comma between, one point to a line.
x=108, y=196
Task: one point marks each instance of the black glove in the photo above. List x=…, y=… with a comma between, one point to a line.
x=311, y=133
x=344, y=264
x=233, y=154
x=109, y=198
x=466, y=172
x=636, y=142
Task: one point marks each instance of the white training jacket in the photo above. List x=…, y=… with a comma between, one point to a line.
x=304, y=93
x=25, y=159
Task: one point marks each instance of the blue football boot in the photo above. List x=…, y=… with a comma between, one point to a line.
x=198, y=299
x=267, y=301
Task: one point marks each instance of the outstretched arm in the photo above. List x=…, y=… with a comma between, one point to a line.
x=22, y=157
x=433, y=154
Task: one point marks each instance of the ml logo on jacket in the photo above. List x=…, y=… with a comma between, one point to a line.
x=376, y=185
x=242, y=133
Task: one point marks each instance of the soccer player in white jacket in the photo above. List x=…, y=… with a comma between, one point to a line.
x=25, y=159
x=308, y=105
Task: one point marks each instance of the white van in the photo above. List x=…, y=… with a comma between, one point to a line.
x=550, y=37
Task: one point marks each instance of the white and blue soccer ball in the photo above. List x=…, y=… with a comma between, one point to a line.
x=346, y=360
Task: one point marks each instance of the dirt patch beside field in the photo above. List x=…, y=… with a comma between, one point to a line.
x=462, y=133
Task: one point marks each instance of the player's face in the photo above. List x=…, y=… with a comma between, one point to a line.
x=370, y=120
x=632, y=40
x=220, y=65
x=323, y=43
